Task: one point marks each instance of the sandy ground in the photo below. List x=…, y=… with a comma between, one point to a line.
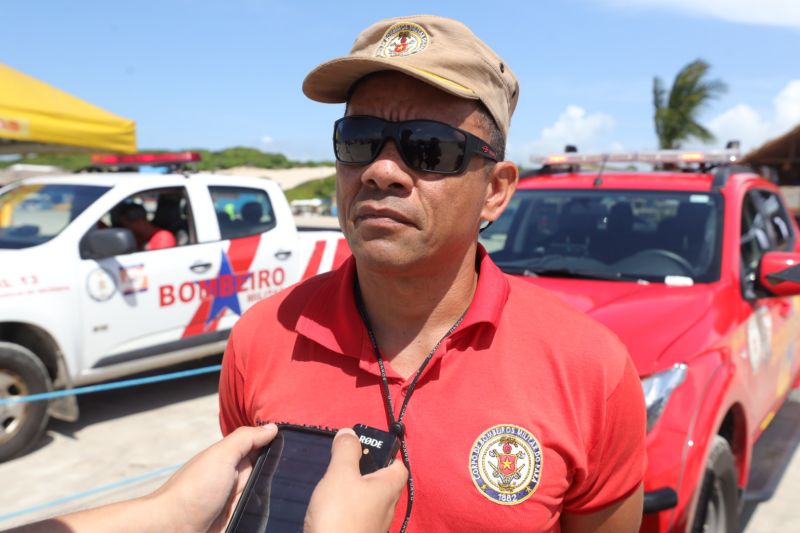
x=286, y=178
x=313, y=222
x=142, y=431
x=121, y=435
x=781, y=513
x=9, y=175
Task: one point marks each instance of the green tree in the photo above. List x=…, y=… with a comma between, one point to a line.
x=676, y=116
x=211, y=160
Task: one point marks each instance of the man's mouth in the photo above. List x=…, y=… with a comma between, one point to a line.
x=381, y=215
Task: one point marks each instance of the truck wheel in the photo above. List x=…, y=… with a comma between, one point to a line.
x=718, y=506
x=22, y=424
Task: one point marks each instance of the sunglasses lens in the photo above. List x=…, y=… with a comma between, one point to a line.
x=357, y=139
x=432, y=147
x=425, y=145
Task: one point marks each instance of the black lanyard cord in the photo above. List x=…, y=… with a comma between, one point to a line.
x=396, y=426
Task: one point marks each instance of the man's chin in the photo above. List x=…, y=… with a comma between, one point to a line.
x=384, y=254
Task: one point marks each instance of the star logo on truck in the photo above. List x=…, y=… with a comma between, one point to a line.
x=224, y=290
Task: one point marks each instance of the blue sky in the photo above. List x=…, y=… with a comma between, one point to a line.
x=215, y=74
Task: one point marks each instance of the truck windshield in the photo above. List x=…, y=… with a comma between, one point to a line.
x=659, y=236
x=35, y=213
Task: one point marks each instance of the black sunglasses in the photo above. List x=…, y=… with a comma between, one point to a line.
x=424, y=145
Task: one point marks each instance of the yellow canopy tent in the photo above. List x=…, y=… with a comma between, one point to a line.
x=35, y=117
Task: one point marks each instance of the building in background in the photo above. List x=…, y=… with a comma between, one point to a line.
x=779, y=158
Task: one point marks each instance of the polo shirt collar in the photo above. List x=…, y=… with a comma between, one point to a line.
x=490, y=296
x=331, y=317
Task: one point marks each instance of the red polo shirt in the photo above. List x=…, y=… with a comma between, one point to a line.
x=161, y=239
x=528, y=409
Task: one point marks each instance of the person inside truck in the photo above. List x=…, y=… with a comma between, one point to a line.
x=148, y=236
x=169, y=215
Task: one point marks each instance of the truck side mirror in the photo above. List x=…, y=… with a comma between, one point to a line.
x=101, y=243
x=779, y=273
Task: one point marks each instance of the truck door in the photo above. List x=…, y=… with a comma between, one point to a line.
x=262, y=252
x=141, y=304
x=772, y=328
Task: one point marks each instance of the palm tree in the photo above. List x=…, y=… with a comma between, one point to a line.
x=676, y=117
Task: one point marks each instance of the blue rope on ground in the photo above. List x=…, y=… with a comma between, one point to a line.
x=110, y=386
x=90, y=492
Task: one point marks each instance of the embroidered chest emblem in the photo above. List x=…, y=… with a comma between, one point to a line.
x=505, y=464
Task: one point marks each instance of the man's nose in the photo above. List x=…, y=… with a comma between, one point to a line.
x=388, y=171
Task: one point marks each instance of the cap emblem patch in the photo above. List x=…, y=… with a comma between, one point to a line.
x=402, y=39
x=506, y=464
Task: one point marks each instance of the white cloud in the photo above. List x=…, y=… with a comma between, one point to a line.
x=588, y=131
x=592, y=132
x=744, y=123
x=787, y=106
x=266, y=139
x=767, y=12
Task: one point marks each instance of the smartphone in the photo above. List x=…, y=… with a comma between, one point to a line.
x=288, y=469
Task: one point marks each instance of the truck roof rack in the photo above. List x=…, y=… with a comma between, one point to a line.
x=675, y=157
x=685, y=160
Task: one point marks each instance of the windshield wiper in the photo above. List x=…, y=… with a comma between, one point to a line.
x=570, y=273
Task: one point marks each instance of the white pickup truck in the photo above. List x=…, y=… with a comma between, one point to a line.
x=84, y=298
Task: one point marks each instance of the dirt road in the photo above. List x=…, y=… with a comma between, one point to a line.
x=124, y=434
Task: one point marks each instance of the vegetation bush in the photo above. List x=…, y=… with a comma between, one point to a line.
x=211, y=160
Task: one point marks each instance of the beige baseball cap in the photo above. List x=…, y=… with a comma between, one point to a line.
x=436, y=50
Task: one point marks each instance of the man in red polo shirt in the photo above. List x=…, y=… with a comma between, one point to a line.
x=515, y=411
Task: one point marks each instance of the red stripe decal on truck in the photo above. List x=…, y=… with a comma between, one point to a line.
x=241, y=254
x=342, y=253
x=316, y=259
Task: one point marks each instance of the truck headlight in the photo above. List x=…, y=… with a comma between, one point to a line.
x=657, y=390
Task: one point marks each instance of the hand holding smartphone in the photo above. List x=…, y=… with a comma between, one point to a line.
x=278, y=491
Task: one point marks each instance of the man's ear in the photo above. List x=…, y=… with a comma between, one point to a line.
x=502, y=182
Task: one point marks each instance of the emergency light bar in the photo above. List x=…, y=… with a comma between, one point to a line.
x=730, y=155
x=169, y=158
